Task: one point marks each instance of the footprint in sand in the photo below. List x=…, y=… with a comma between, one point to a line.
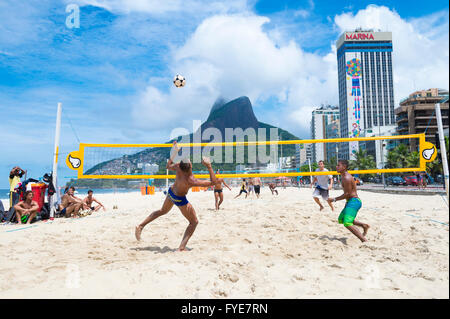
x=298, y=278
x=335, y=266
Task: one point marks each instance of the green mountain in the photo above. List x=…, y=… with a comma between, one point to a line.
x=234, y=114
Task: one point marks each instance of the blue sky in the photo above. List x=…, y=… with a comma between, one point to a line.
x=113, y=74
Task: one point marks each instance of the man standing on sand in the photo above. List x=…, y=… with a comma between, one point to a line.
x=14, y=179
x=348, y=214
x=243, y=189
x=218, y=191
x=257, y=186
x=28, y=207
x=176, y=194
x=89, y=201
x=250, y=186
x=322, y=187
x=272, y=187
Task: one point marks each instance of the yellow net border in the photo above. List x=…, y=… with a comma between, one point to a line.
x=427, y=153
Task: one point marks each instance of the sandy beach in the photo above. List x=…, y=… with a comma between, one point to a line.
x=272, y=247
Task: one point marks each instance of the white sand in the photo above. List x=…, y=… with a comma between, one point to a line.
x=274, y=247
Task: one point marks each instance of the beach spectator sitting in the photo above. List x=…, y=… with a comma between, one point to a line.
x=14, y=179
x=89, y=200
x=27, y=207
x=70, y=205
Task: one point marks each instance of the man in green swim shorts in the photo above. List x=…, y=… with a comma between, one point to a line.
x=348, y=214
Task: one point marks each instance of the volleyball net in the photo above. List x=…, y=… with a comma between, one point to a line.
x=279, y=158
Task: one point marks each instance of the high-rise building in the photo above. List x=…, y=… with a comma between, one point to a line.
x=366, y=90
x=416, y=114
x=321, y=117
x=332, y=130
x=301, y=154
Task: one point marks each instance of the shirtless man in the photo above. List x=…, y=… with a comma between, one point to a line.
x=70, y=205
x=272, y=187
x=218, y=191
x=257, y=186
x=184, y=180
x=28, y=207
x=89, y=200
x=348, y=214
x=250, y=186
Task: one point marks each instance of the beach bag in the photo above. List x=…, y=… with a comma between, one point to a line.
x=11, y=216
x=49, y=180
x=45, y=212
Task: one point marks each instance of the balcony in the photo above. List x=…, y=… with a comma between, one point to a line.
x=400, y=120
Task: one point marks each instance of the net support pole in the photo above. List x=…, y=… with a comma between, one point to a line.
x=442, y=144
x=167, y=181
x=309, y=163
x=54, y=197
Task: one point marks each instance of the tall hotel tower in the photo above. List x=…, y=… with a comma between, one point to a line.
x=366, y=92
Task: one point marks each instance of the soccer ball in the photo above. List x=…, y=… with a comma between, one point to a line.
x=179, y=81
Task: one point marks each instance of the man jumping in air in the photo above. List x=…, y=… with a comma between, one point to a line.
x=184, y=180
x=348, y=214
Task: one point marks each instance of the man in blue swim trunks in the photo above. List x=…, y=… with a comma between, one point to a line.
x=348, y=214
x=184, y=180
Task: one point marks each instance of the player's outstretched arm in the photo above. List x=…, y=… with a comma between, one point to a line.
x=207, y=163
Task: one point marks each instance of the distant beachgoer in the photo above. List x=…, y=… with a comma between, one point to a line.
x=70, y=205
x=177, y=195
x=348, y=214
x=218, y=191
x=424, y=180
x=272, y=187
x=27, y=208
x=322, y=187
x=250, y=186
x=243, y=189
x=14, y=179
x=257, y=186
x=89, y=201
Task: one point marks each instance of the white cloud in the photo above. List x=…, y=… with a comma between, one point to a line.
x=158, y=7
x=231, y=55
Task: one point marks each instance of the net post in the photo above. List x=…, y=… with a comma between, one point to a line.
x=54, y=197
x=442, y=144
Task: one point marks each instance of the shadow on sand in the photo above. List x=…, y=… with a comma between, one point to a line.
x=158, y=250
x=342, y=240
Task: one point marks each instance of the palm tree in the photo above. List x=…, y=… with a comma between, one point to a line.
x=400, y=156
x=363, y=161
x=331, y=164
x=413, y=160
